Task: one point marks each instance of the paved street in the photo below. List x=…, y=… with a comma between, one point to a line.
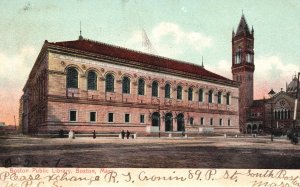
x=200, y=152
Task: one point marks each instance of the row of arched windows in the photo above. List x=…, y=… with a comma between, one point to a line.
x=238, y=56
x=72, y=82
x=282, y=114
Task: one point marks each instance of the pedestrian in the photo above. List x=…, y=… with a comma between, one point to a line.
x=123, y=134
x=71, y=134
x=128, y=134
x=94, y=134
x=294, y=139
x=61, y=133
x=272, y=137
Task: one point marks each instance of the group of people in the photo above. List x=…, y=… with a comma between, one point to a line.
x=123, y=133
x=127, y=134
x=293, y=136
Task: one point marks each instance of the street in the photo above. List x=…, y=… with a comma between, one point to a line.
x=199, y=152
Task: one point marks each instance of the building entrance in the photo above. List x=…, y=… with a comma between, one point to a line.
x=155, y=119
x=169, y=122
x=180, y=122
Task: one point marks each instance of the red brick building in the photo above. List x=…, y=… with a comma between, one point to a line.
x=276, y=114
x=84, y=85
x=264, y=115
x=243, y=68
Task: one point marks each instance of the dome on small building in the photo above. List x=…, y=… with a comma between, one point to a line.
x=292, y=86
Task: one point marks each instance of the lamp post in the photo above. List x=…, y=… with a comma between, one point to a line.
x=163, y=119
x=296, y=103
x=271, y=94
x=248, y=116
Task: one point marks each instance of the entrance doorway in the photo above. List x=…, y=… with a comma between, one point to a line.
x=155, y=119
x=180, y=122
x=169, y=122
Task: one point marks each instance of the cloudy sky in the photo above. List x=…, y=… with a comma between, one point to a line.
x=180, y=29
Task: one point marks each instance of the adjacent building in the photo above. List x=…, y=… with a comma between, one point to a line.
x=276, y=114
x=7, y=129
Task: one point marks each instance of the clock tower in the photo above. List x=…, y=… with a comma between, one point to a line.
x=243, y=68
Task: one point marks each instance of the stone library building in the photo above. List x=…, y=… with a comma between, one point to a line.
x=87, y=86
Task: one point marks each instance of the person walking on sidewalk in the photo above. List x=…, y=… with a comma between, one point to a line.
x=123, y=134
x=94, y=134
x=127, y=134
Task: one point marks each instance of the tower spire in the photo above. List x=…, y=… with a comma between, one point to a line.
x=233, y=32
x=243, y=26
x=202, y=62
x=80, y=36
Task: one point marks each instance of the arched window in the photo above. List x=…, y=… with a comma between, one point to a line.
x=154, y=89
x=167, y=91
x=249, y=58
x=109, y=83
x=210, y=96
x=191, y=121
x=238, y=56
x=169, y=122
x=126, y=85
x=190, y=94
x=179, y=92
x=92, y=80
x=141, y=87
x=227, y=98
x=72, y=78
x=284, y=114
x=180, y=122
x=201, y=95
x=219, y=97
x=155, y=119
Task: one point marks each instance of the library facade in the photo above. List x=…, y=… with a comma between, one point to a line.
x=84, y=85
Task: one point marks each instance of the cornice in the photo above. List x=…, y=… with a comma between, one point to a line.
x=134, y=64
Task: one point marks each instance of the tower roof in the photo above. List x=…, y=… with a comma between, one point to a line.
x=243, y=27
x=292, y=86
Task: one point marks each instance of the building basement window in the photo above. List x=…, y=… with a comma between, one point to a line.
x=73, y=115
x=142, y=118
x=127, y=118
x=110, y=117
x=92, y=116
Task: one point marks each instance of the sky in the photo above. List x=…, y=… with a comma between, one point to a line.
x=179, y=29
